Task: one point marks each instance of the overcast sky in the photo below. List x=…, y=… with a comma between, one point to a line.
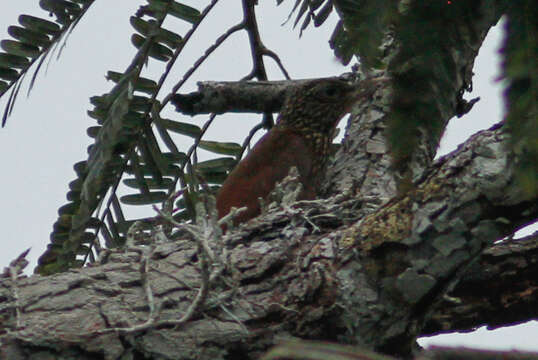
x=46, y=134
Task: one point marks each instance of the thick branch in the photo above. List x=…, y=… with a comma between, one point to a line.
x=415, y=249
x=445, y=353
x=365, y=149
x=500, y=289
x=367, y=282
x=235, y=96
x=310, y=350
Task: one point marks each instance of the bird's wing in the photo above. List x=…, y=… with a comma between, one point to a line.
x=267, y=163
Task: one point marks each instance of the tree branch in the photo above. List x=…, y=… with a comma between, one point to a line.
x=257, y=48
x=291, y=282
x=235, y=96
x=500, y=289
x=416, y=248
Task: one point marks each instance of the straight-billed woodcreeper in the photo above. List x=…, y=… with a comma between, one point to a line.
x=302, y=138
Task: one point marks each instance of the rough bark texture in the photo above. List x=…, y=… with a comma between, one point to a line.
x=501, y=287
x=369, y=266
x=227, y=96
x=440, y=353
x=308, y=271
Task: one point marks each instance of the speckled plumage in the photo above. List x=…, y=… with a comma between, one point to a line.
x=302, y=137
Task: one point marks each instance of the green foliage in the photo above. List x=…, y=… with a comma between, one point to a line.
x=159, y=8
x=126, y=143
x=134, y=144
x=33, y=41
x=148, y=198
x=423, y=72
x=182, y=128
x=224, y=148
x=430, y=36
x=520, y=70
x=360, y=31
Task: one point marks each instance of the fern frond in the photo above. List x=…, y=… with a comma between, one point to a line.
x=124, y=143
x=34, y=40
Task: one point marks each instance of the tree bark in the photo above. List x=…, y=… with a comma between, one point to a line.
x=309, y=270
x=500, y=288
x=373, y=264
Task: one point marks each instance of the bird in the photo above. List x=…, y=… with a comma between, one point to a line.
x=301, y=137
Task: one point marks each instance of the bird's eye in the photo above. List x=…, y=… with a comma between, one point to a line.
x=330, y=92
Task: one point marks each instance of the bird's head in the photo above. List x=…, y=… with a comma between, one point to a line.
x=317, y=106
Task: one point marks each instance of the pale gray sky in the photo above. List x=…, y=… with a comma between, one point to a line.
x=46, y=134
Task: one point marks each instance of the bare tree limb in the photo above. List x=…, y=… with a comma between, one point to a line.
x=500, y=289
x=445, y=353
x=311, y=350
x=235, y=96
